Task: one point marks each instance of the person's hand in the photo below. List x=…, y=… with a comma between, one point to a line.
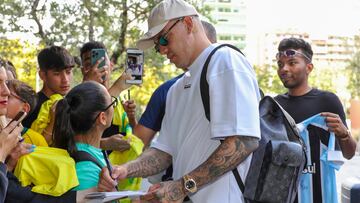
x=94, y=73
x=20, y=150
x=9, y=138
x=107, y=183
x=130, y=108
x=335, y=124
x=115, y=142
x=121, y=81
x=170, y=191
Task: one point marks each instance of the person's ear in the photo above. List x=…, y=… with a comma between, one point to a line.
x=42, y=75
x=102, y=118
x=26, y=107
x=188, y=21
x=309, y=68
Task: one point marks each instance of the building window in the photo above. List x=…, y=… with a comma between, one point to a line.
x=225, y=37
x=224, y=1
x=239, y=38
x=222, y=9
x=236, y=10
x=223, y=20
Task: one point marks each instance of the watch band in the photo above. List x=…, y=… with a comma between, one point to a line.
x=189, y=184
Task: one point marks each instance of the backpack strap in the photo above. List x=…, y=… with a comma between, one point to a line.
x=204, y=85
x=80, y=156
x=204, y=91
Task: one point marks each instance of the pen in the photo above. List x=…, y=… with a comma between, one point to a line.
x=108, y=165
x=129, y=94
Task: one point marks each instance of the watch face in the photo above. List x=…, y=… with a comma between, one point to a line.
x=190, y=184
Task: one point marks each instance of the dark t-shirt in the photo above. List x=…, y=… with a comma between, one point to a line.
x=305, y=106
x=32, y=117
x=3, y=181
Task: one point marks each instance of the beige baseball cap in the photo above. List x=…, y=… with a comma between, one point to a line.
x=160, y=15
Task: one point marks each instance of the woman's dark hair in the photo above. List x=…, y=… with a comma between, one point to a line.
x=25, y=92
x=296, y=43
x=75, y=114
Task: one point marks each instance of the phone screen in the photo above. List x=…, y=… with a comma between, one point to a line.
x=97, y=54
x=134, y=65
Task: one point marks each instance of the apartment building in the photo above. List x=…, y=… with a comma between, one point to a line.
x=231, y=21
x=330, y=51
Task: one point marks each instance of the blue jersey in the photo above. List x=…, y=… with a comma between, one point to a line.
x=330, y=160
x=155, y=110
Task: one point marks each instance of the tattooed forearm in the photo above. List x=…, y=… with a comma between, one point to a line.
x=231, y=152
x=150, y=162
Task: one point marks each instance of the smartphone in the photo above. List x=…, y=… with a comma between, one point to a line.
x=18, y=118
x=97, y=54
x=134, y=65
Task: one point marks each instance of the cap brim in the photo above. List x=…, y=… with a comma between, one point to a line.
x=146, y=41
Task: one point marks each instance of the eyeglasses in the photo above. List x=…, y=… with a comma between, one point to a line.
x=290, y=53
x=162, y=40
x=113, y=103
x=17, y=97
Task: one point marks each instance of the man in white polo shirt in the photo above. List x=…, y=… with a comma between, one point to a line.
x=202, y=165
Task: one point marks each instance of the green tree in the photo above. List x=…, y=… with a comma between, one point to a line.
x=323, y=78
x=117, y=23
x=268, y=80
x=353, y=71
x=22, y=55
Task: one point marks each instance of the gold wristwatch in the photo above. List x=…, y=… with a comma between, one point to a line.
x=189, y=184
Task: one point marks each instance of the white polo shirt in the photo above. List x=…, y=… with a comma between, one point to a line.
x=187, y=135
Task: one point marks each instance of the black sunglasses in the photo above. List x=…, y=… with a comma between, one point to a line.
x=290, y=53
x=162, y=40
x=113, y=103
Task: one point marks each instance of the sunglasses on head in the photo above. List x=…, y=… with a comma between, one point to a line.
x=290, y=53
x=162, y=40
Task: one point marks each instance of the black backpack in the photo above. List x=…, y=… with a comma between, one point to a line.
x=277, y=163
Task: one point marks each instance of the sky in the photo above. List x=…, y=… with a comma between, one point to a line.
x=318, y=17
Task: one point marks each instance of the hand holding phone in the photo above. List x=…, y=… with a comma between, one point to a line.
x=97, y=54
x=15, y=122
x=10, y=136
x=17, y=119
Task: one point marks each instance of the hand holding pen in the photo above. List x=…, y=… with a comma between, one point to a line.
x=108, y=182
x=108, y=165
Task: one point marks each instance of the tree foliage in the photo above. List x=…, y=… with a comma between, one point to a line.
x=268, y=80
x=22, y=55
x=354, y=76
x=116, y=23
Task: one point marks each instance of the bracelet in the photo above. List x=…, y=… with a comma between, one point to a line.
x=343, y=139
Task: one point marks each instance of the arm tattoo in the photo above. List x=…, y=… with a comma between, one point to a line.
x=226, y=157
x=150, y=162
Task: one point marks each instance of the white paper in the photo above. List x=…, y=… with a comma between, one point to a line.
x=108, y=196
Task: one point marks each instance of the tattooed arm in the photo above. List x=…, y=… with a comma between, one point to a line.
x=150, y=162
x=226, y=157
